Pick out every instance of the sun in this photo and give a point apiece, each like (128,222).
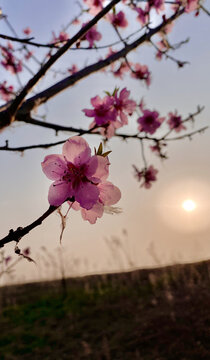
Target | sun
(189,205)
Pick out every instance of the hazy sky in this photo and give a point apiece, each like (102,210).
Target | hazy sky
(153,228)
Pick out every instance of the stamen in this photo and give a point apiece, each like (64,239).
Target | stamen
(61,183)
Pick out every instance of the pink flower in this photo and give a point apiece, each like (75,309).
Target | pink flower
(76,21)
(166,30)
(124,105)
(103,111)
(92,35)
(143,15)
(95,6)
(149,122)
(76,174)
(141,72)
(27,30)
(157,149)
(157,4)
(108,195)
(6,92)
(73,69)
(122,69)
(163,45)
(148,175)
(61,38)
(28,55)
(190,5)
(175,122)
(10,63)
(26,251)
(159,55)
(118,19)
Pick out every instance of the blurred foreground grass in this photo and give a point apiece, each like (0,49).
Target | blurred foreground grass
(155,314)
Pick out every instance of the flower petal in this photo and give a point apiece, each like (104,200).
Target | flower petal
(59,192)
(86,194)
(89,112)
(97,168)
(54,166)
(109,194)
(94,213)
(76,150)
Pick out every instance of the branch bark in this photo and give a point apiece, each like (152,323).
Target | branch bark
(20,232)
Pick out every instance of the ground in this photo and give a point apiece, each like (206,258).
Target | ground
(155,314)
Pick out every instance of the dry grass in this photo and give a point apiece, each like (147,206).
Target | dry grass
(157,314)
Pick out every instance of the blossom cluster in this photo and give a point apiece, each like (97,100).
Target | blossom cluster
(80,179)
(146,175)
(111,112)
(10,62)
(6,92)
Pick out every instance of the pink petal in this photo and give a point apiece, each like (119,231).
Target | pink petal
(59,192)
(89,112)
(124,94)
(86,194)
(98,168)
(76,150)
(75,205)
(109,194)
(96,101)
(94,213)
(54,166)
(123,118)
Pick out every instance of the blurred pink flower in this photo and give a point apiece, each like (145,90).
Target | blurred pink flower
(110,113)
(73,69)
(141,72)
(61,38)
(28,55)
(124,105)
(190,5)
(27,30)
(148,175)
(103,111)
(143,15)
(26,251)
(149,122)
(9,62)
(175,122)
(95,6)
(6,92)
(118,19)
(92,35)
(122,69)
(158,5)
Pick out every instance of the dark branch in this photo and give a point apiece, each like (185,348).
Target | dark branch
(15,105)
(20,232)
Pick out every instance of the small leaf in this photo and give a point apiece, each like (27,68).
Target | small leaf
(106,153)
(115,90)
(107,93)
(100,149)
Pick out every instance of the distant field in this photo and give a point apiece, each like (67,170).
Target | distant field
(157,314)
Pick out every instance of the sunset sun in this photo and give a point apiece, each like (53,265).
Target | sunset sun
(189,205)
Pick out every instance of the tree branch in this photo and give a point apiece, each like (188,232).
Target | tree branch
(69,81)
(15,105)
(20,232)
